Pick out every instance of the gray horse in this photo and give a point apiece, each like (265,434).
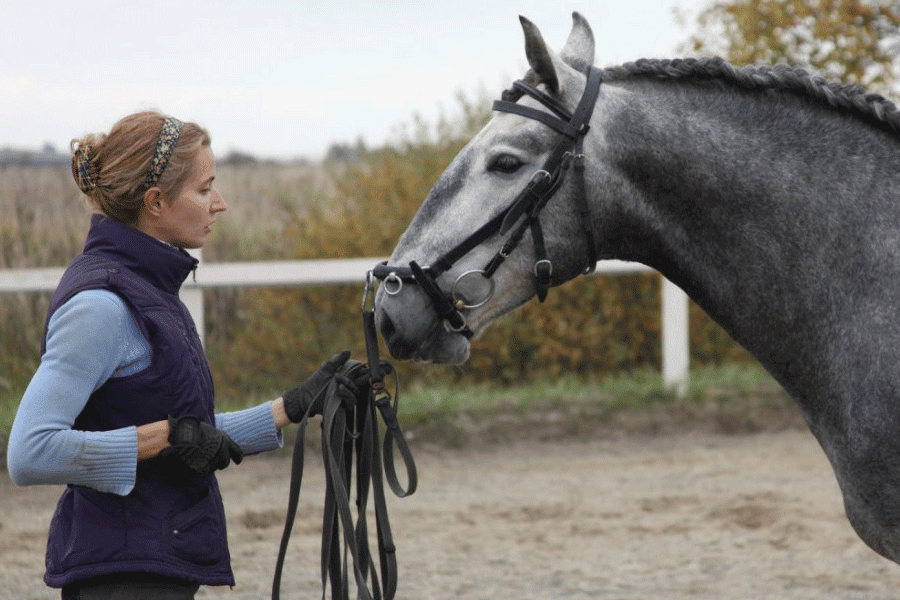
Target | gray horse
(771,197)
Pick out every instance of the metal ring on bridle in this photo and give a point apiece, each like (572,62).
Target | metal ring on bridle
(457,300)
(452,329)
(392,278)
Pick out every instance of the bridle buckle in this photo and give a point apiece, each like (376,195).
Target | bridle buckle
(543,270)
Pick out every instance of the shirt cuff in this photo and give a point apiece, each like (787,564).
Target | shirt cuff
(107,461)
(252,428)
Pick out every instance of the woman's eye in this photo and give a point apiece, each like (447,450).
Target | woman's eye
(505,163)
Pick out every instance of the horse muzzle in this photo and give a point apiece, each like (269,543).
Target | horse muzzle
(412,331)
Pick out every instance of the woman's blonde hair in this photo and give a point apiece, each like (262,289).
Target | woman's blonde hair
(112,169)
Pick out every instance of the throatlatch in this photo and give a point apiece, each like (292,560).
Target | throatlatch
(520,216)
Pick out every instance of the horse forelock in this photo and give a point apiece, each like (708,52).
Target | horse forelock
(870,107)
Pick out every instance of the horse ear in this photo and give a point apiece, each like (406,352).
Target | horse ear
(538,56)
(579,49)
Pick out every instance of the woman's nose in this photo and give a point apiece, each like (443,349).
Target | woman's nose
(218,204)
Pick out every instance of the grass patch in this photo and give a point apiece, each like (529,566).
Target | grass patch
(729,399)
(639,388)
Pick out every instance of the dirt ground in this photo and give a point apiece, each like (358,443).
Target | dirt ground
(662,505)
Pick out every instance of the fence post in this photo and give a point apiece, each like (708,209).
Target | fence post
(675,337)
(192,296)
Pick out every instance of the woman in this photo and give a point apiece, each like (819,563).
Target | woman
(121,406)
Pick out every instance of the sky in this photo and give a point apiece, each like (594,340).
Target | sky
(286,79)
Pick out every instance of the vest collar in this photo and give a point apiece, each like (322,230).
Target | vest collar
(165,266)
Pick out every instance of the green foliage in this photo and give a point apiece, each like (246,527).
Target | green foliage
(588,328)
(852,41)
(286,333)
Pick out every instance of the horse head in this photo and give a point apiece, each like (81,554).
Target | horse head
(460,264)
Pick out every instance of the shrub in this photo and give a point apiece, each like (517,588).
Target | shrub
(590,327)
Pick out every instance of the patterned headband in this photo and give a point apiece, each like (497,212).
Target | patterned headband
(165,145)
(84,170)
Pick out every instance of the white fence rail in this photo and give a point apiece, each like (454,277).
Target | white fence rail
(675,350)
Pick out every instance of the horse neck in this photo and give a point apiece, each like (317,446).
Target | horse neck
(777,217)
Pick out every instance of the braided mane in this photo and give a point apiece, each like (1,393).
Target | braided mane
(871,107)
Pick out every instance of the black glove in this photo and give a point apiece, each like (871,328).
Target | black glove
(309,396)
(197,448)
(358,374)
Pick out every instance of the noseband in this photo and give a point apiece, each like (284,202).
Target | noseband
(572,128)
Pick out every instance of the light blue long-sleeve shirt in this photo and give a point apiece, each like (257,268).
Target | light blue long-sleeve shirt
(91,338)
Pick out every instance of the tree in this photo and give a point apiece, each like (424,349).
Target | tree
(851,41)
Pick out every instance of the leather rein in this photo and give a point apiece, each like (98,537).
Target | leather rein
(568,152)
(350,443)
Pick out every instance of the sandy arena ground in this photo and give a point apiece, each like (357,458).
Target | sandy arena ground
(678,514)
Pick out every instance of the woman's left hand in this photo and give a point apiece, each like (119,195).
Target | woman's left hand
(197,448)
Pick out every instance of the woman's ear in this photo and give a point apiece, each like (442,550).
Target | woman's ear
(153,199)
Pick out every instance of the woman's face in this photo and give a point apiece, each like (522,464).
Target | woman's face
(188,219)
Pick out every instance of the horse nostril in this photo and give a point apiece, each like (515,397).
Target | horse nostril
(399,347)
(388,329)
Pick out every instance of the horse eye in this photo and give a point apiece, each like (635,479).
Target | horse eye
(505,163)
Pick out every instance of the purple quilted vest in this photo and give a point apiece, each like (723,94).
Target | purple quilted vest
(168,527)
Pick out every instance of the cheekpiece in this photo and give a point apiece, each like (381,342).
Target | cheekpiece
(165,145)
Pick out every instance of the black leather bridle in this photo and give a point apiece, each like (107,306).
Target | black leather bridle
(572,128)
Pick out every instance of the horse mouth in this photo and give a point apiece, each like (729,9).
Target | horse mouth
(437,346)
